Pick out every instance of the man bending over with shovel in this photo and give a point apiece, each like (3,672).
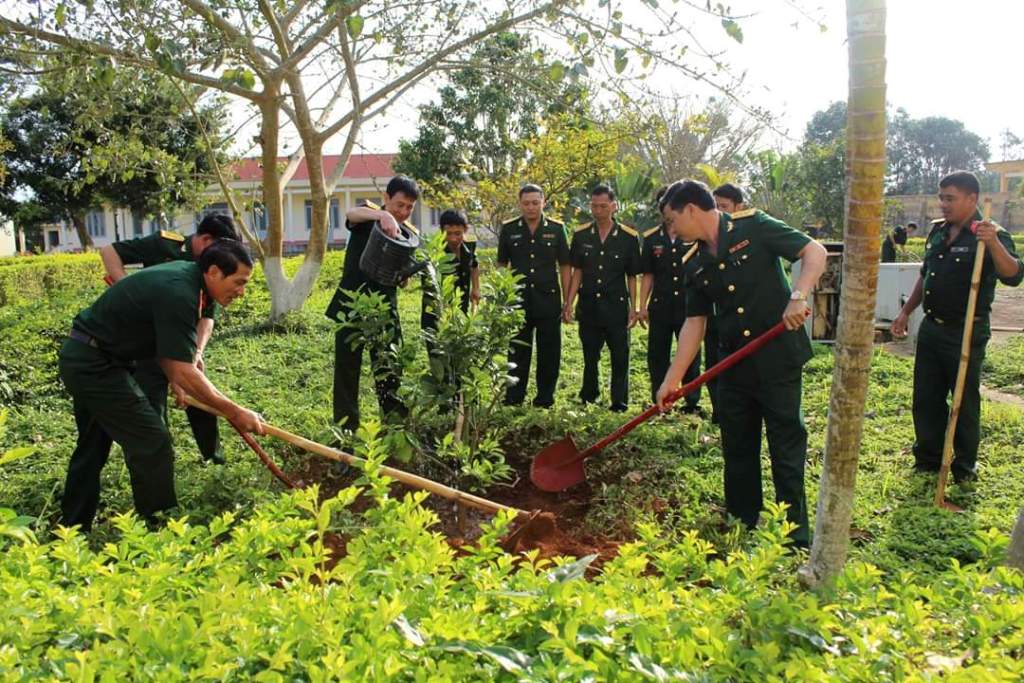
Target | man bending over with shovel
(943,288)
(737,277)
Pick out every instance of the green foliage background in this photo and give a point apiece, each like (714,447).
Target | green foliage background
(238,591)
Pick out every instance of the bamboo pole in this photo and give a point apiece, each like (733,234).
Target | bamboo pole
(961,375)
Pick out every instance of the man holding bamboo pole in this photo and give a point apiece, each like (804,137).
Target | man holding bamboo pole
(943,288)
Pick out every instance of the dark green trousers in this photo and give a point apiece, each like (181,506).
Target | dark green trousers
(153,382)
(660,335)
(548,332)
(110,406)
(936,362)
(744,403)
(712,355)
(593,338)
(348,365)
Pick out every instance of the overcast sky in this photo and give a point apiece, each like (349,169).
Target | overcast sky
(955,58)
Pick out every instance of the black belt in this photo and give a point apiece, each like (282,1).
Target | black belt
(80,336)
(954,322)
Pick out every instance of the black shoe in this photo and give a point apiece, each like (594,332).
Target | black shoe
(215,458)
(962,478)
(543,404)
(924,468)
(693,410)
(618,408)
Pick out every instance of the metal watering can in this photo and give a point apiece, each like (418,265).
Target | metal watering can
(390,260)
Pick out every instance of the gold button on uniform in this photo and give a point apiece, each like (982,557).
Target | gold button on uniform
(675,277)
(732,288)
(739,310)
(746,333)
(721,266)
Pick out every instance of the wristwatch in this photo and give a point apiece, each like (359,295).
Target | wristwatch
(797,295)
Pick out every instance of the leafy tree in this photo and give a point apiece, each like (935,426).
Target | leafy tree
(321,69)
(682,141)
(484,116)
(129,140)
(924,150)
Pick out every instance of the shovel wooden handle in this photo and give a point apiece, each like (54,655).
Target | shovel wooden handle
(713,372)
(398,475)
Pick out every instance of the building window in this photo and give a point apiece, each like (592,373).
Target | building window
(219,207)
(54,238)
(259,219)
(435,218)
(333,215)
(136,225)
(154,226)
(96,224)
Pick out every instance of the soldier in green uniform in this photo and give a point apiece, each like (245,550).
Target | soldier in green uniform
(536,247)
(152,314)
(896,238)
(663,305)
(738,278)
(161,247)
(400,198)
(942,288)
(605,257)
(460,248)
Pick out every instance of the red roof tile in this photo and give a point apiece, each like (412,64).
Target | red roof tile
(358,166)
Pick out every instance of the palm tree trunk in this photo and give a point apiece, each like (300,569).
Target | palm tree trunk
(865,153)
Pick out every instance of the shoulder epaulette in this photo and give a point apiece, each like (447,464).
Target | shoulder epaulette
(554,222)
(370,205)
(648,233)
(412,227)
(938,220)
(745,213)
(510,221)
(585,226)
(171,235)
(628,230)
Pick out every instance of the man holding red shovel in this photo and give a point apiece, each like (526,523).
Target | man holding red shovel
(737,277)
(943,288)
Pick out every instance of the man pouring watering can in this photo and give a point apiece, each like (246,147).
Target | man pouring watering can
(737,278)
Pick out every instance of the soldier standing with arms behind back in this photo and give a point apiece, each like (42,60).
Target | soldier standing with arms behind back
(537,248)
(605,258)
(161,247)
(738,279)
(663,303)
(942,288)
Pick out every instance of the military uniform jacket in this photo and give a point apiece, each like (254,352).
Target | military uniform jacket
(947,270)
(603,294)
(160,247)
(462,269)
(665,258)
(352,276)
(152,314)
(536,257)
(745,289)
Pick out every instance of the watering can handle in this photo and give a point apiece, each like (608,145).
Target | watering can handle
(710,374)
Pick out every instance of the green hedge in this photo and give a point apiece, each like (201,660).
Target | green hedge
(26,278)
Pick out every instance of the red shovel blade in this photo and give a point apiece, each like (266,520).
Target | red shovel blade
(558,466)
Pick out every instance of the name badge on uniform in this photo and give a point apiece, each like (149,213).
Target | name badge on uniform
(960,250)
(548,236)
(741,245)
(658,251)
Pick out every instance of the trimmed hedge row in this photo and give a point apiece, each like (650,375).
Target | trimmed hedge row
(25,278)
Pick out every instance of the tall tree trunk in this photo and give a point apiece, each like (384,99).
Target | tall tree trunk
(865,154)
(78,220)
(1015,553)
